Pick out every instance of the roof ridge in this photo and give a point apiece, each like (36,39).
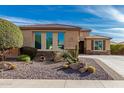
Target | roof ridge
(52,25)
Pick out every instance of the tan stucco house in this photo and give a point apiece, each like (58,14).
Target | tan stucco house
(55,37)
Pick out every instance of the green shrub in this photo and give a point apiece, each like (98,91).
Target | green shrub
(117,49)
(10,35)
(25,58)
(30,51)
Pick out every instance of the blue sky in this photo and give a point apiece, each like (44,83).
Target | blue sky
(102,20)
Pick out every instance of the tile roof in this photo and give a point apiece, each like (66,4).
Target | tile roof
(52,26)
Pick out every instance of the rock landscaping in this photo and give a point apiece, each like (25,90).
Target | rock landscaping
(52,70)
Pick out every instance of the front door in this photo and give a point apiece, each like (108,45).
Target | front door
(81,47)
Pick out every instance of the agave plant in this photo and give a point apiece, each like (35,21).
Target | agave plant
(69,58)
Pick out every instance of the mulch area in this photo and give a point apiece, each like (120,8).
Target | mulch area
(51,70)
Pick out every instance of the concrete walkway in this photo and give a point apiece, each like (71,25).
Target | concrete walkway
(15,83)
(114,62)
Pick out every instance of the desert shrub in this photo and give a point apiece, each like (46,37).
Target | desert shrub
(10,37)
(91,69)
(65,66)
(30,51)
(25,58)
(117,49)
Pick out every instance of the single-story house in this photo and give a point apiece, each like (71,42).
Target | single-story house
(55,37)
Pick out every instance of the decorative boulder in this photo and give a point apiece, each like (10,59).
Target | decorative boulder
(7,66)
(82,70)
(74,66)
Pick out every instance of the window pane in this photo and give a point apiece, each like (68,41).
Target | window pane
(38,40)
(49,40)
(61,40)
(98,45)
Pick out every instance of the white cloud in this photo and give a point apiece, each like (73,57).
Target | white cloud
(22,21)
(26,21)
(108,12)
(117,34)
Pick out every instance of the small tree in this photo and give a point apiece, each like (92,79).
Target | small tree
(10,37)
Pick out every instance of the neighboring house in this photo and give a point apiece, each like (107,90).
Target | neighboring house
(121,43)
(113,43)
(56,37)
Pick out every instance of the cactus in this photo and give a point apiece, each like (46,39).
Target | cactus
(76,52)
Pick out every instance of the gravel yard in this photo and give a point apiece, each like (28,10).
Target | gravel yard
(50,70)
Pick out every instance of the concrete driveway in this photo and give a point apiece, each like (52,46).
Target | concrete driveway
(114,62)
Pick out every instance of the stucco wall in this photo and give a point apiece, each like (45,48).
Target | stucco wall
(55,40)
(28,38)
(89,46)
(43,40)
(84,34)
(107,43)
(71,39)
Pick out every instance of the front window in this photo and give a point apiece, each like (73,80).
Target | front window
(61,40)
(98,45)
(49,40)
(37,40)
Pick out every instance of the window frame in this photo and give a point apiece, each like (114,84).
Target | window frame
(94,45)
(52,39)
(40,39)
(63,41)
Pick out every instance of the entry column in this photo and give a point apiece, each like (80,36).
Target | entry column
(55,40)
(43,41)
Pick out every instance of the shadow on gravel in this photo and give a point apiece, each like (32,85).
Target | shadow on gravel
(85,74)
(71,71)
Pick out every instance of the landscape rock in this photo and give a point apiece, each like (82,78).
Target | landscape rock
(82,70)
(7,66)
(74,66)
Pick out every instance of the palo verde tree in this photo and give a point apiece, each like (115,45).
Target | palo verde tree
(10,37)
